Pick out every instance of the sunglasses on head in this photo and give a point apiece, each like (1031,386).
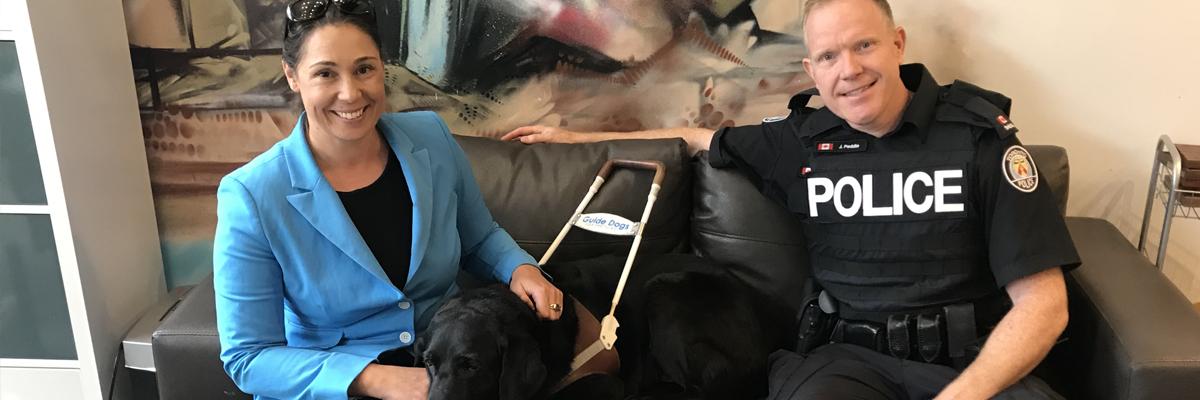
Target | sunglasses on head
(302,11)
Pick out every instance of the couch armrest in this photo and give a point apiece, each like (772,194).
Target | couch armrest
(1132,334)
(187,350)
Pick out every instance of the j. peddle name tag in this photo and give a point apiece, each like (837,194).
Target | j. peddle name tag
(849,146)
(608,224)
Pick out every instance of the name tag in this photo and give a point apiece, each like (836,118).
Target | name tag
(848,146)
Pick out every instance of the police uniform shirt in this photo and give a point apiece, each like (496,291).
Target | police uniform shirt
(947,208)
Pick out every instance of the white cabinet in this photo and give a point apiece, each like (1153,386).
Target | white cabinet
(18,383)
(79,248)
(6,18)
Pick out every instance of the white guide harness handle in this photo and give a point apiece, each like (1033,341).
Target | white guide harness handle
(609,324)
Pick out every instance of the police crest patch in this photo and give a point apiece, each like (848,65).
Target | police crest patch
(776,118)
(1019,169)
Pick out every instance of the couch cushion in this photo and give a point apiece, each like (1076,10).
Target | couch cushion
(532,190)
(735,224)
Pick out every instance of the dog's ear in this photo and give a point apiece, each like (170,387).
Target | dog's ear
(521,369)
(418,349)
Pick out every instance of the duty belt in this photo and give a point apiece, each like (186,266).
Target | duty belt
(948,335)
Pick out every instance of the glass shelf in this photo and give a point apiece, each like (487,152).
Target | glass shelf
(34,321)
(20,172)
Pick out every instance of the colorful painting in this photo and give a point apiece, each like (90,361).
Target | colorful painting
(213,96)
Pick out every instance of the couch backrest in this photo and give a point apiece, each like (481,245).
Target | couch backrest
(1054,170)
(716,213)
(735,224)
(533,190)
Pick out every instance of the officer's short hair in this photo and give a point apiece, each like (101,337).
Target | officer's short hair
(811,5)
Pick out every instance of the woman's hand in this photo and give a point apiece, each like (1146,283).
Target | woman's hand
(387,382)
(533,288)
(541,134)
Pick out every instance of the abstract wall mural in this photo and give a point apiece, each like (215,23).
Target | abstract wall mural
(212,95)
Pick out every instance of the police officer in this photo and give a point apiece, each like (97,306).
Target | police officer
(938,245)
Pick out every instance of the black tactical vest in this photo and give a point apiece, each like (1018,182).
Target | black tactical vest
(897,227)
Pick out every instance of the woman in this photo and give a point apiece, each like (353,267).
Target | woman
(340,242)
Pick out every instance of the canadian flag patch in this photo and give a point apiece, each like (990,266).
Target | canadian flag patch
(1006,124)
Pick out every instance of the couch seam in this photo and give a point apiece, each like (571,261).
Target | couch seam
(186,333)
(1160,363)
(613,241)
(746,238)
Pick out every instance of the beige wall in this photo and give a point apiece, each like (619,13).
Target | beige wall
(1102,78)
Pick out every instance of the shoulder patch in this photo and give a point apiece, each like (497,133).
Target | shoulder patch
(1019,169)
(776,118)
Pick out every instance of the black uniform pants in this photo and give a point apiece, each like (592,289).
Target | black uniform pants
(846,371)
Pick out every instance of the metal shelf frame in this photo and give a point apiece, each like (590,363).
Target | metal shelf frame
(1165,175)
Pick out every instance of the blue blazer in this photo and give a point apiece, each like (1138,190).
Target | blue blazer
(302,304)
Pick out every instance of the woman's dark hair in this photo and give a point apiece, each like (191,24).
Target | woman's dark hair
(298,32)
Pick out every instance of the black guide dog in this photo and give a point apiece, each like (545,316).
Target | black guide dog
(689,330)
(485,343)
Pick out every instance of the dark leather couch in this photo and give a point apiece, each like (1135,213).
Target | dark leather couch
(1132,334)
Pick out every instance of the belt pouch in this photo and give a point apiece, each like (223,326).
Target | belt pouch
(929,336)
(897,335)
(960,329)
(863,333)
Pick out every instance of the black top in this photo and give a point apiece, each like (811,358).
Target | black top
(946,208)
(383,214)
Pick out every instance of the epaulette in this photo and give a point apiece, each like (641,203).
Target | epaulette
(800,100)
(983,104)
(798,105)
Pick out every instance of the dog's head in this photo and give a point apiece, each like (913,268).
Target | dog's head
(480,345)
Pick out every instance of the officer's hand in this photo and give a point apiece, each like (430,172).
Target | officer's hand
(533,288)
(541,134)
